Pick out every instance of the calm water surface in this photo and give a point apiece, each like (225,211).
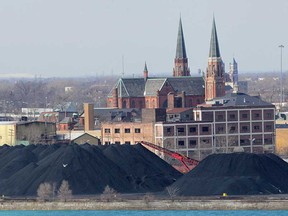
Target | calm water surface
(143,213)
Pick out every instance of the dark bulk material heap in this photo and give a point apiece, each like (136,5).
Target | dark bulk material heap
(88,169)
(235,174)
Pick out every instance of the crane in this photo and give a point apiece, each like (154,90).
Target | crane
(182,158)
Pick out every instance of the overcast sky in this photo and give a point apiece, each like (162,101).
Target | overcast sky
(51,38)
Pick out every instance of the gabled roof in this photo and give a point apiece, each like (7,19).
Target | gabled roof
(152,85)
(214,45)
(137,87)
(129,87)
(180,49)
(190,85)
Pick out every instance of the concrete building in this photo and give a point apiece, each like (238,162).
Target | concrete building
(193,139)
(240,120)
(179,115)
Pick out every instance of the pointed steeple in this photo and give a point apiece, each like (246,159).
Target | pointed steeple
(145,67)
(214,45)
(181,62)
(145,72)
(180,49)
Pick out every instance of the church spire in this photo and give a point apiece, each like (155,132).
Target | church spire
(215,80)
(145,72)
(180,49)
(214,45)
(181,61)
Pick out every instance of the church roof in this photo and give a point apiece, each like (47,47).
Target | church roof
(153,85)
(214,45)
(190,85)
(129,87)
(180,49)
(136,87)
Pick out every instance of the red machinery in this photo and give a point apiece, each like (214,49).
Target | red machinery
(186,161)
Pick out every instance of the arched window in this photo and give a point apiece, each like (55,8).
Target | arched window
(124,104)
(132,104)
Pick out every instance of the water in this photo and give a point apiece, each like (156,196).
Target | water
(143,213)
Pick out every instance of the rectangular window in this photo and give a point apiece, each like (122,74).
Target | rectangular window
(244,115)
(127,142)
(168,130)
(107,130)
(192,129)
(180,130)
(137,130)
(220,117)
(181,143)
(117,143)
(220,129)
(233,128)
(268,127)
(257,115)
(245,128)
(107,143)
(232,116)
(192,143)
(205,129)
(117,130)
(256,127)
(127,130)
(269,115)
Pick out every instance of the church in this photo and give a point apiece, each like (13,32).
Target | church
(178,91)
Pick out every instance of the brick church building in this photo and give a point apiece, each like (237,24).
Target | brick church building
(179,91)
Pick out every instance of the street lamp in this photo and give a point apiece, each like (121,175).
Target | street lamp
(281,77)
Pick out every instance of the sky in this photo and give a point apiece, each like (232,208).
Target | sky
(75,38)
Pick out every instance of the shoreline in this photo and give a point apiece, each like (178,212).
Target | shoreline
(191,204)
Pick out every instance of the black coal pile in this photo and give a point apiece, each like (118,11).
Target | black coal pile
(88,169)
(144,169)
(235,174)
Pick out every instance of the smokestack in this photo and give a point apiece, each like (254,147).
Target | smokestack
(89,121)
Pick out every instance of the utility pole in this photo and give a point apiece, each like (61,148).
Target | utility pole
(281,78)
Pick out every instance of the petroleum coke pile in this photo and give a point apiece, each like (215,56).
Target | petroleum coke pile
(88,169)
(235,174)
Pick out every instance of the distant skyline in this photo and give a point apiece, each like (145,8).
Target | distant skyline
(62,38)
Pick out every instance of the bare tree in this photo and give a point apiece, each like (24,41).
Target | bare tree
(172,191)
(64,191)
(148,197)
(109,194)
(45,191)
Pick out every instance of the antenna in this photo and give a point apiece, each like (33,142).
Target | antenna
(122,65)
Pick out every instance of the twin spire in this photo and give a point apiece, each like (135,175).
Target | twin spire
(181,61)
